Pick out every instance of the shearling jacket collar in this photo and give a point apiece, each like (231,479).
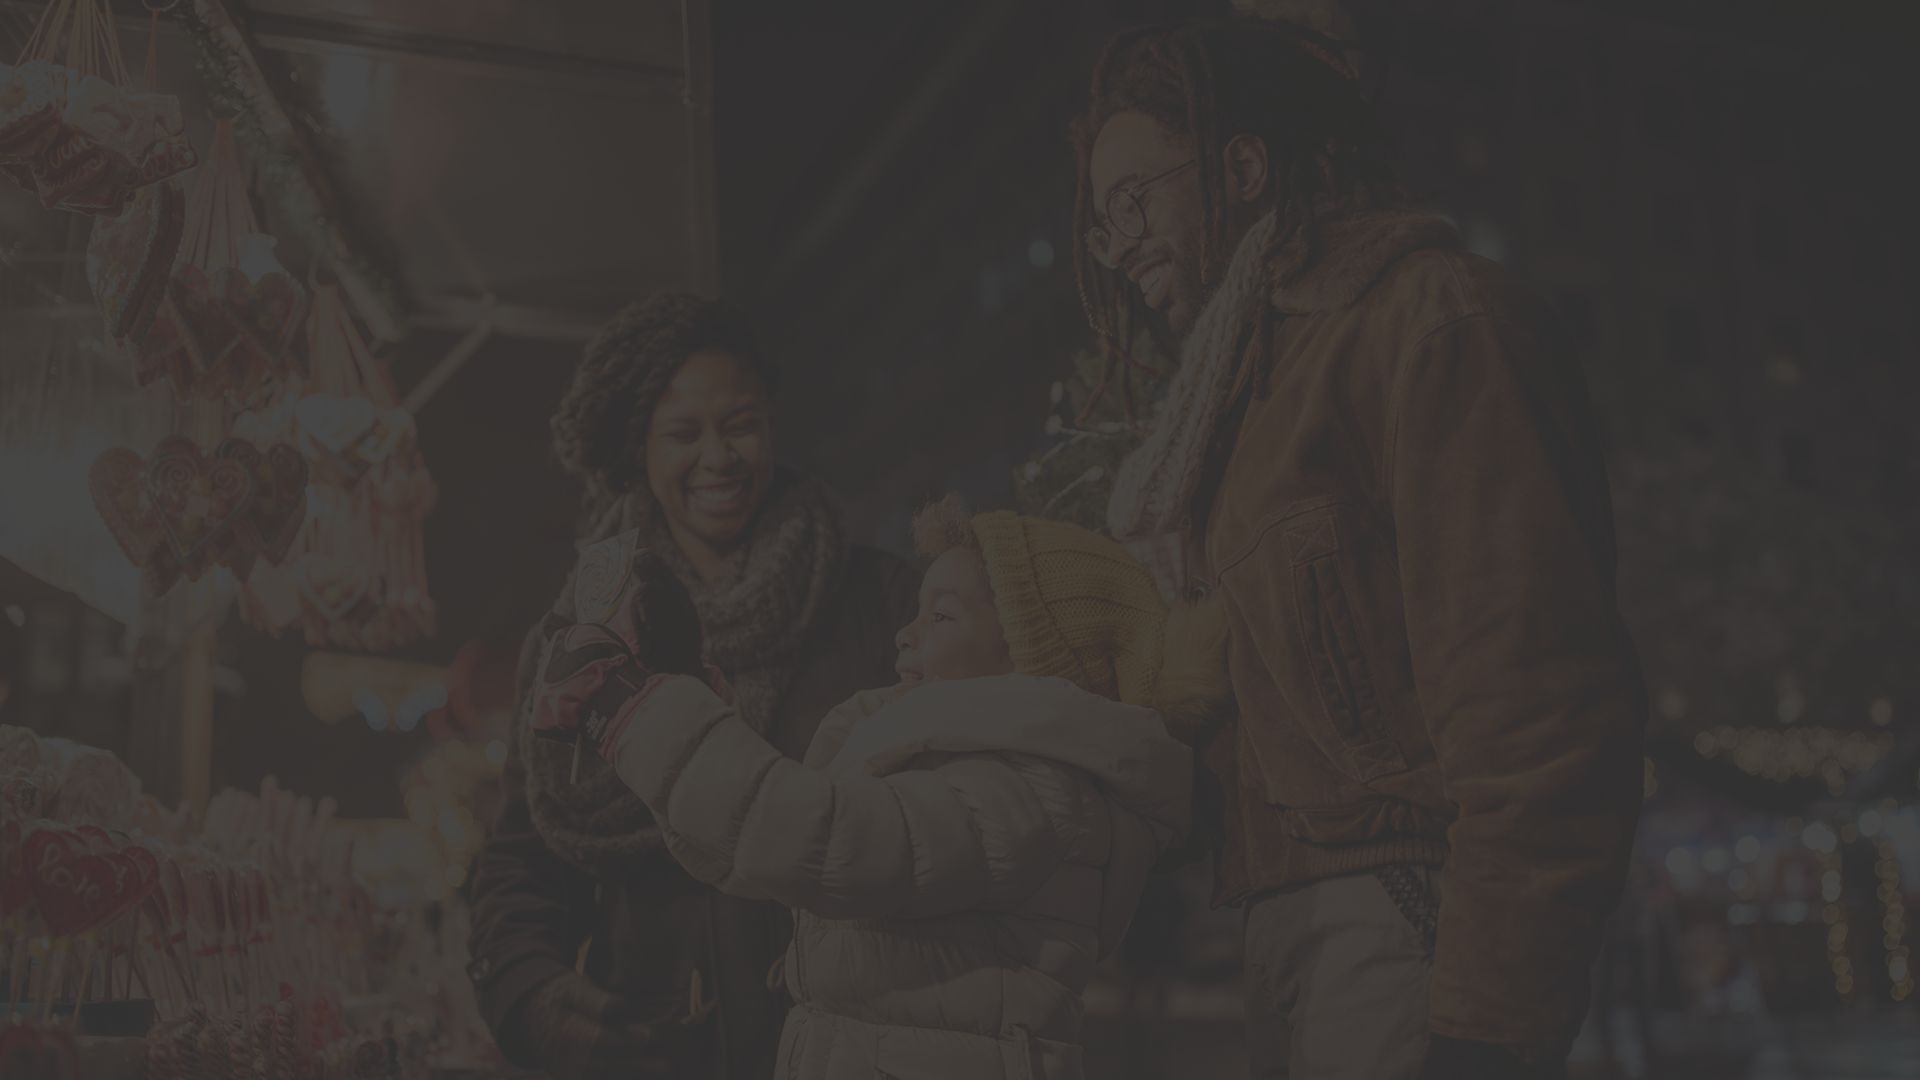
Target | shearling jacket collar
(1348,254)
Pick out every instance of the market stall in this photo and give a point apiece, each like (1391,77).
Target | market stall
(246,246)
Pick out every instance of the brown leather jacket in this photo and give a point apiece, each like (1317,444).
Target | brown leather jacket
(1412,530)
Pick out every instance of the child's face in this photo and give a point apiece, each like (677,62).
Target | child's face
(957,634)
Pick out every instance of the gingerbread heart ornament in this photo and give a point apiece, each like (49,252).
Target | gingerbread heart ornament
(198,499)
(279,506)
(117,482)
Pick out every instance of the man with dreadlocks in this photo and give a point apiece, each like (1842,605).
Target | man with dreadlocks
(1373,455)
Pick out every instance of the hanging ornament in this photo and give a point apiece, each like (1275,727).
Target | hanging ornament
(129,259)
(269,598)
(222,324)
(71,128)
(361,578)
(182,510)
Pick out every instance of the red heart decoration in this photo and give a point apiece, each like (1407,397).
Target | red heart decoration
(117,482)
(78,891)
(198,500)
(98,842)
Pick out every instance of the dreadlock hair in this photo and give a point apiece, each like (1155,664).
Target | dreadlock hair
(600,427)
(1214,80)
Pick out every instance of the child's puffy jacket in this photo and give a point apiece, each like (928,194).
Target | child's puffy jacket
(958,855)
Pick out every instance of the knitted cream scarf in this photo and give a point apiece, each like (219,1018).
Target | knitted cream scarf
(755,621)
(1157,482)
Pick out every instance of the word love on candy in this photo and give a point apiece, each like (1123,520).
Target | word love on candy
(78,888)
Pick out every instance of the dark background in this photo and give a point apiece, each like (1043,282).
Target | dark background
(1715,195)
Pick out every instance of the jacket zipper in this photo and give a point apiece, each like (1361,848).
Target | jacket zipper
(797,945)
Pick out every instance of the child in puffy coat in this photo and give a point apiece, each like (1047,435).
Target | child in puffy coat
(959,849)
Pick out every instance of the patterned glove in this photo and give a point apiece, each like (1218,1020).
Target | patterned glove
(590,685)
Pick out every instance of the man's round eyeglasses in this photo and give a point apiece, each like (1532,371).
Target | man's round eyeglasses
(1126,214)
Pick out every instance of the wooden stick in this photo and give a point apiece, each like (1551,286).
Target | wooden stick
(86,979)
(56,977)
(16,944)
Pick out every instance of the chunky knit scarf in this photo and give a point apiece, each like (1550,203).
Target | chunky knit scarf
(755,620)
(1158,480)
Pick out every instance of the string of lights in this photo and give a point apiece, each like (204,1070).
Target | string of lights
(1893,921)
(1834,914)
(1796,752)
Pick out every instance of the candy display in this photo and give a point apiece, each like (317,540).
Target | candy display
(71,128)
(249,945)
(222,324)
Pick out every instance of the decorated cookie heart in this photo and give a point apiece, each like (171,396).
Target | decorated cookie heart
(279,506)
(117,482)
(198,499)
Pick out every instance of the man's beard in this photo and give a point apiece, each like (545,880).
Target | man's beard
(1169,339)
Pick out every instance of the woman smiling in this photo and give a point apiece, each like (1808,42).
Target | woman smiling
(669,423)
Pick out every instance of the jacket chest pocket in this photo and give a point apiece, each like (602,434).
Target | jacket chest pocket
(1296,581)
(1333,643)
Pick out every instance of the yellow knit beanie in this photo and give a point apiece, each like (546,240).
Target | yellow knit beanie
(1074,604)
